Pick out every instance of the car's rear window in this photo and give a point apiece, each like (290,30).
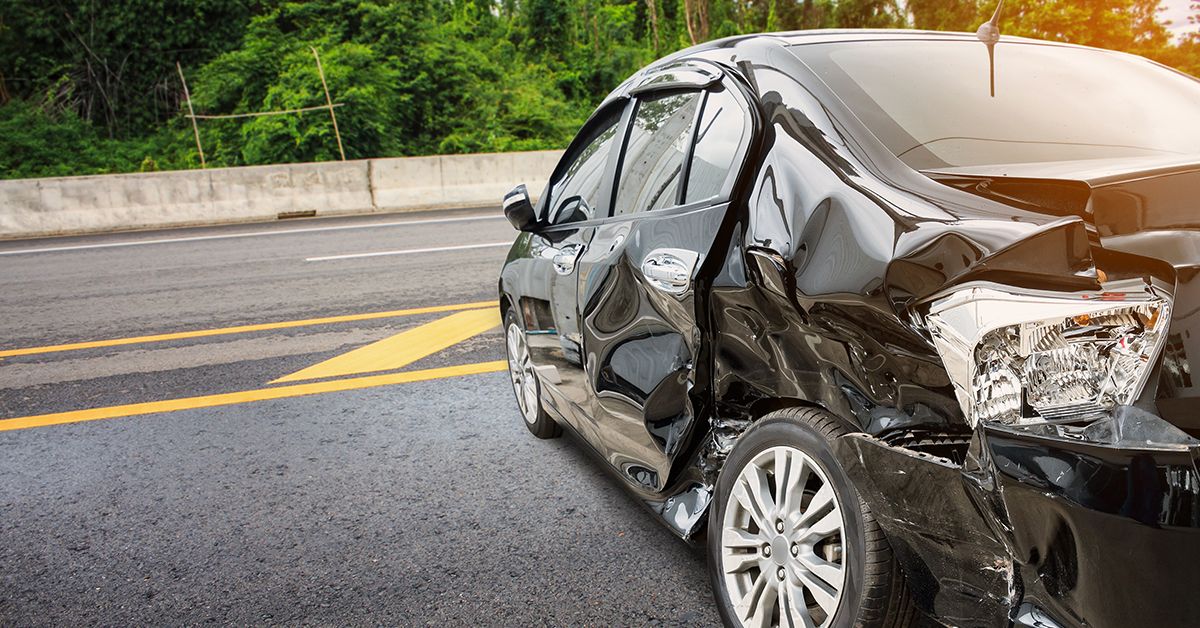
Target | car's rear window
(929,101)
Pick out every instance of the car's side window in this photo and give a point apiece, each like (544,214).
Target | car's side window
(659,136)
(576,194)
(724,128)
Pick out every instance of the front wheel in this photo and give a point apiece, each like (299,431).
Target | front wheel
(790,543)
(525,382)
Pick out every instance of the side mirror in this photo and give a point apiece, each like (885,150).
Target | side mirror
(519,210)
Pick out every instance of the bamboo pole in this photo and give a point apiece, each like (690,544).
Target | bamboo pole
(256,114)
(192,114)
(329,102)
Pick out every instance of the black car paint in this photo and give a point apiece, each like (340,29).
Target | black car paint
(811,293)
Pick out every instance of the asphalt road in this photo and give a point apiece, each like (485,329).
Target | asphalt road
(404,492)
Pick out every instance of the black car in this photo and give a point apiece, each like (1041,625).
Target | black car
(898,322)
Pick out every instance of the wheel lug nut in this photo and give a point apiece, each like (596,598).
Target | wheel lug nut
(781,573)
(779,526)
(795,550)
(766,550)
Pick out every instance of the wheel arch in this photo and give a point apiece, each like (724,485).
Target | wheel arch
(767,405)
(505,302)
(727,432)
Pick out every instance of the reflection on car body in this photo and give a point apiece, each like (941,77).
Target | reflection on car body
(900,345)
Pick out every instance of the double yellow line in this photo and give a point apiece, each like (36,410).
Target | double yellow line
(242,329)
(263,394)
(388,354)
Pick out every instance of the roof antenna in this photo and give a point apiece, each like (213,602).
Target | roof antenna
(989,34)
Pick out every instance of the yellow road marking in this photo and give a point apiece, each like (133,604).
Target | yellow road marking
(241,329)
(402,349)
(264,394)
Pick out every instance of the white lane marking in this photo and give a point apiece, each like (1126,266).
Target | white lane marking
(250,234)
(408,251)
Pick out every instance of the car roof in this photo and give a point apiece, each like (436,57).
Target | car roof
(787,39)
(831,35)
(849,35)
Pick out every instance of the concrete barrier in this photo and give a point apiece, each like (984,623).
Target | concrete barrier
(457,180)
(73,205)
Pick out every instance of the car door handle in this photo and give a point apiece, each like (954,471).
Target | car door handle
(672,275)
(670,270)
(563,259)
(564,262)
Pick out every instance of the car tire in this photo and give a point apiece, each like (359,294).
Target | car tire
(872,592)
(526,387)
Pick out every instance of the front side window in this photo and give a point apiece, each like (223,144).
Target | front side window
(930,103)
(652,170)
(576,194)
(722,132)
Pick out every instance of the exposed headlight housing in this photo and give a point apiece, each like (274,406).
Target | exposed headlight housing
(1025,356)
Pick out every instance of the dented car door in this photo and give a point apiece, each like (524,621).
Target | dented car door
(638,279)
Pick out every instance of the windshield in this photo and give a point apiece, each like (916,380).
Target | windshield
(929,102)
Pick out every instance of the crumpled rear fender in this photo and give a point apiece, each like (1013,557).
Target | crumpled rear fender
(942,526)
(1088,534)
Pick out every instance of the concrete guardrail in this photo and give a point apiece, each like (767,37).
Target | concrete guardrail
(91,204)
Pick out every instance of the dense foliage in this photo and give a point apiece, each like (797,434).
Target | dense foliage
(90,86)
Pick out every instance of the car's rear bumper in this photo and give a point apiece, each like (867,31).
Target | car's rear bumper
(1102,535)
(1071,532)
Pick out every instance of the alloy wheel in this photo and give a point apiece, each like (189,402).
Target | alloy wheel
(520,369)
(782,545)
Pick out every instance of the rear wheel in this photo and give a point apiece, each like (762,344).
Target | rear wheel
(790,543)
(524,380)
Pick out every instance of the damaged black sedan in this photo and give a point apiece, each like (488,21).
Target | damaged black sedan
(898,322)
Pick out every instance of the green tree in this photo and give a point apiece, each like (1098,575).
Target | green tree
(939,15)
(89,86)
(357,77)
(549,23)
(1130,25)
(113,62)
(868,14)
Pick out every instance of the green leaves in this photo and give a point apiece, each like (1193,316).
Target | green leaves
(358,78)
(93,86)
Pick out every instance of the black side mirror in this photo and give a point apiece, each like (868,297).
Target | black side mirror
(519,210)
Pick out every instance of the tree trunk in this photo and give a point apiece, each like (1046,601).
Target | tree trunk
(688,8)
(695,16)
(652,13)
